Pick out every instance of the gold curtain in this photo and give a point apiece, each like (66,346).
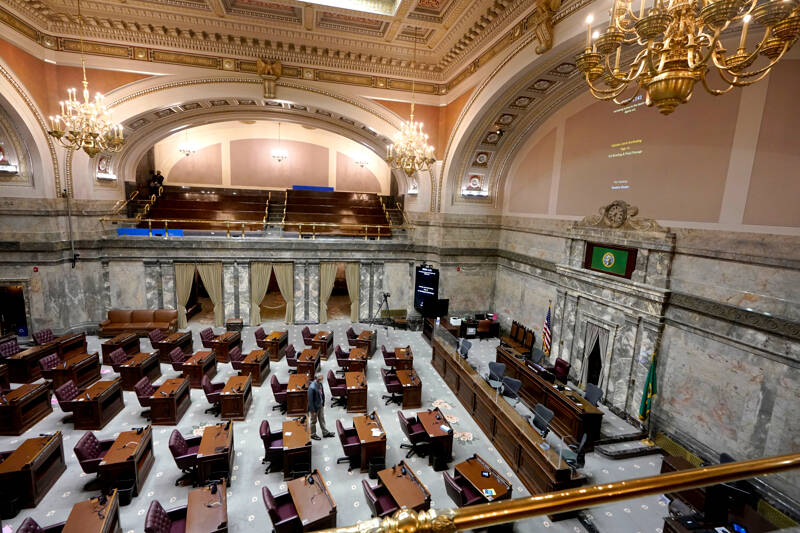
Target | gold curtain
(284,273)
(352,275)
(211,274)
(184,276)
(259,283)
(327,275)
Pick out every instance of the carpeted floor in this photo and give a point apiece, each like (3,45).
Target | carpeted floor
(246,511)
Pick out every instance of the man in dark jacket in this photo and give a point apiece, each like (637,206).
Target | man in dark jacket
(316,407)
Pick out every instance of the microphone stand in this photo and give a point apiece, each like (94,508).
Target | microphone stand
(384,301)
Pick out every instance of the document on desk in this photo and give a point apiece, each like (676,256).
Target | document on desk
(376,432)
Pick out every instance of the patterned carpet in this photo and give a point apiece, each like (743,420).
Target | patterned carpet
(246,511)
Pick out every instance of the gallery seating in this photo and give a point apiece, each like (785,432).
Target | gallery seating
(160,521)
(281,511)
(209,211)
(90,451)
(379,500)
(338,388)
(139,321)
(273,447)
(29,525)
(351,445)
(460,490)
(415,433)
(212,392)
(65,394)
(184,452)
(279,393)
(346,208)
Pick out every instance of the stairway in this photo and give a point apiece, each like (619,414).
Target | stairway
(276,207)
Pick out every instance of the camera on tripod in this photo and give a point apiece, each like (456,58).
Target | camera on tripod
(386,295)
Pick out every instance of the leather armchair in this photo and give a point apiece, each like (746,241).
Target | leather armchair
(388,357)
(307,336)
(393,387)
(144,391)
(350,444)
(29,525)
(43,337)
(118,357)
(207,336)
(281,511)
(7,349)
(211,391)
(291,358)
(279,392)
(47,364)
(460,490)
(273,447)
(156,336)
(561,370)
(91,451)
(338,388)
(178,357)
(416,434)
(351,336)
(160,521)
(342,359)
(379,500)
(65,395)
(184,452)
(261,335)
(237,357)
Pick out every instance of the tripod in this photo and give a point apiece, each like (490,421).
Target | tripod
(384,301)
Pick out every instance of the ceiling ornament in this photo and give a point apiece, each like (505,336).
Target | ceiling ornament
(677,43)
(269,70)
(619,215)
(542,21)
(85,125)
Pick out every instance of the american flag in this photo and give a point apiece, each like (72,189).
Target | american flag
(546,332)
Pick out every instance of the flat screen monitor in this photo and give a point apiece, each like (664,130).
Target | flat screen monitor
(426,289)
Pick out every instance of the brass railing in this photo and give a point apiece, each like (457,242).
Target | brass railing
(150,202)
(117,209)
(488,514)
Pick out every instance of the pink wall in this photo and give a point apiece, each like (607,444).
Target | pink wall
(203,166)
(531,184)
(252,164)
(352,178)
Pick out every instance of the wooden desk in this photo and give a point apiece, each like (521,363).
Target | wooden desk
(405,359)
(356,392)
(199,364)
(5,384)
(207,512)
(368,340)
(275,344)
(222,344)
(256,365)
(406,489)
(139,366)
(170,402)
(129,342)
(23,407)
(371,445)
(236,397)
(23,367)
(29,472)
(296,445)
(314,504)
(441,439)
(538,468)
(358,360)
(234,324)
(297,394)
(90,516)
(695,498)
(82,369)
(471,470)
(98,404)
(323,341)
(128,460)
(71,344)
(215,454)
(412,388)
(746,517)
(574,416)
(308,361)
(179,339)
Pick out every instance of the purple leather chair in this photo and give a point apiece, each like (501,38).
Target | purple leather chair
(338,388)
(211,391)
(279,392)
(281,511)
(561,370)
(461,491)
(237,357)
(206,336)
(156,336)
(260,336)
(177,356)
(7,349)
(43,337)
(291,358)
(416,434)
(29,525)
(342,359)
(160,521)
(118,357)
(273,447)
(388,357)
(379,500)
(91,451)
(307,335)
(144,391)
(47,364)
(65,395)
(351,445)
(393,387)
(184,451)
(351,336)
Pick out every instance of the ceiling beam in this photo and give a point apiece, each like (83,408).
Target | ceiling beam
(398,19)
(308,17)
(217,7)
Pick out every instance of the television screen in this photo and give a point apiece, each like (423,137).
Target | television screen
(426,288)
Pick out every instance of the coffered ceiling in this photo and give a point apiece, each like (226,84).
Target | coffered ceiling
(374,36)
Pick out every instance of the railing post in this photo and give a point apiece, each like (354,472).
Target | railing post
(166,229)
(228,230)
(300,231)
(242,230)
(313,232)
(149,228)
(366,232)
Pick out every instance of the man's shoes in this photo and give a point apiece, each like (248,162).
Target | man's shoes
(315,437)
(327,434)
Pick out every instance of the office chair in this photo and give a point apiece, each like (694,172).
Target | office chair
(291,359)
(178,357)
(496,371)
(207,337)
(273,447)
(65,394)
(463,350)
(561,370)
(29,525)
(460,490)
(90,451)
(307,336)
(279,393)
(47,364)
(541,419)
(537,356)
(342,359)
(260,335)
(416,435)
(212,392)
(351,445)
(43,337)
(281,511)
(184,452)
(388,357)
(351,336)
(236,357)
(144,391)
(575,457)
(393,387)
(380,501)
(338,388)
(511,388)
(160,521)
(593,394)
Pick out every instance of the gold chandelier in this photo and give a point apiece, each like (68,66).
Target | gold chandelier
(85,125)
(410,151)
(679,43)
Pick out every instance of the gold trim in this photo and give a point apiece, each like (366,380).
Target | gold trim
(100,49)
(175,58)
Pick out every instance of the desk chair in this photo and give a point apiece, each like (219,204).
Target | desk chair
(29,525)
(65,395)
(541,419)
(388,357)
(281,511)
(237,357)
(47,364)
(91,451)
(351,336)
(7,349)
(350,444)
(118,357)
(207,337)
(338,388)
(484,329)
(379,499)
(393,387)
(561,370)
(537,356)
(43,337)
(160,521)
(463,350)
(575,456)
(155,337)
(178,357)
(416,434)
(279,393)
(144,391)
(307,335)
(496,371)
(593,394)
(260,335)
(291,358)
(511,388)
(342,359)
(273,447)
(212,392)
(184,452)
(460,490)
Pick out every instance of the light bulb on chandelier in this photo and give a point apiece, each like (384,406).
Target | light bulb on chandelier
(279,154)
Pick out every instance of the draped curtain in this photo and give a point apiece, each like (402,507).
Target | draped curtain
(593,332)
(327,275)
(352,275)
(284,274)
(184,276)
(211,274)
(259,283)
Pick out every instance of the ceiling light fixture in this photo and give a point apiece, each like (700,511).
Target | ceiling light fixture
(279,154)
(187,148)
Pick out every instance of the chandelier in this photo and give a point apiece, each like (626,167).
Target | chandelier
(678,42)
(279,154)
(187,148)
(85,125)
(410,151)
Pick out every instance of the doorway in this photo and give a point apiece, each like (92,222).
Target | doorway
(594,365)
(273,305)
(13,319)
(199,308)
(339,302)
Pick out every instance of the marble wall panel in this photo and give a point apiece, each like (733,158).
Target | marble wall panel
(300,292)
(168,285)
(312,291)
(243,273)
(469,289)
(364,285)
(378,275)
(399,283)
(229,289)
(127,285)
(153,295)
(522,297)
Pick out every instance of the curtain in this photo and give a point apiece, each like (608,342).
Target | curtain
(352,275)
(327,275)
(592,334)
(211,274)
(284,273)
(184,276)
(603,342)
(259,283)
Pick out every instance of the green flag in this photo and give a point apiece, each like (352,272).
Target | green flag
(650,390)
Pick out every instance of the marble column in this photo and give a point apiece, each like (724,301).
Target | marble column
(152,285)
(168,285)
(312,291)
(364,290)
(568,330)
(619,383)
(377,287)
(557,324)
(229,289)
(106,286)
(649,335)
(300,292)
(243,272)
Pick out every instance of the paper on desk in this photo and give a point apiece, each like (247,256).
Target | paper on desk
(376,432)
(288,434)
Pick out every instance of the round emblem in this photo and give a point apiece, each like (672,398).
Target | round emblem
(616,214)
(482,159)
(492,138)
(475,183)
(608,259)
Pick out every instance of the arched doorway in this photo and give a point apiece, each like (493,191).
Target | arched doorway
(339,302)
(594,366)
(273,305)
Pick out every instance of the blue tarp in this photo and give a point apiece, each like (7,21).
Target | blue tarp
(311,188)
(145,232)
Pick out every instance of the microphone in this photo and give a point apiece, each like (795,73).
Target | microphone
(213,488)
(310,479)
(228,425)
(102,499)
(403,470)
(139,430)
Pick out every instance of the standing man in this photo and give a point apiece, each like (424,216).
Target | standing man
(316,407)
